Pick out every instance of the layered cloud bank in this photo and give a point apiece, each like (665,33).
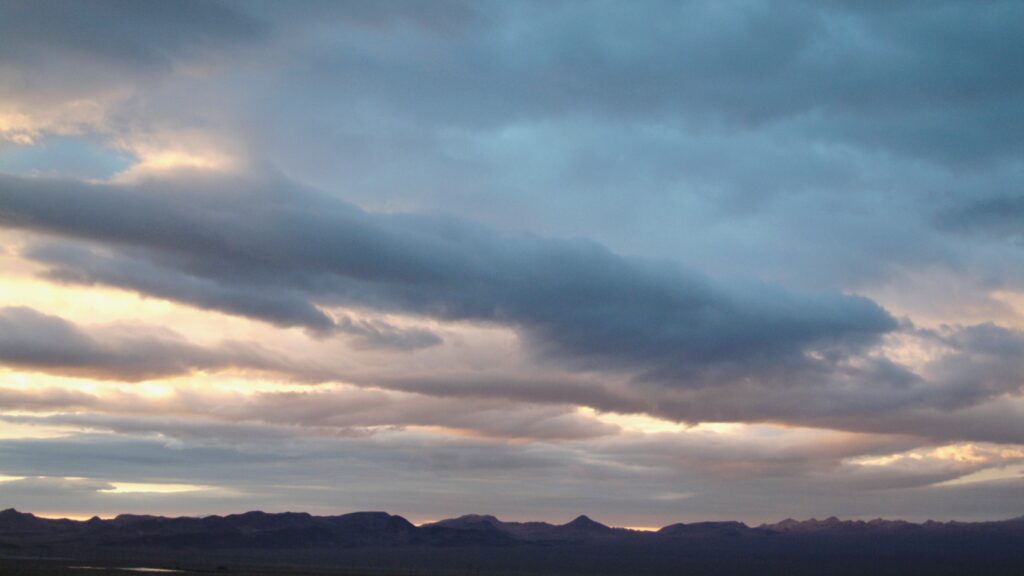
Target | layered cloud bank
(680,261)
(281,254)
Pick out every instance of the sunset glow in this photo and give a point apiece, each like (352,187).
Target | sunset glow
(659,264)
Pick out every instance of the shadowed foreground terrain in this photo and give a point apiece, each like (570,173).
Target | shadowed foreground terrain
(258,543)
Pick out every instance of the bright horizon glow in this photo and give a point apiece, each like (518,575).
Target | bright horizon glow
(152,488)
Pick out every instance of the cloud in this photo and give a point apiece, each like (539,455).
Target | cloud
(36,341)
(376,333)
(660,130)
(633,335)
(960,393)
(762,192)
(74,69)
(987,361)
(766,477)
(239,417)
(254,421)
(277,252)
(742,64)
(1000,216)
(45,399)
(145,34)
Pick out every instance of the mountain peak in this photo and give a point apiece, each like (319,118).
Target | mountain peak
(583,522)
(706,528)
(471,521)
(478,518)
(11,514)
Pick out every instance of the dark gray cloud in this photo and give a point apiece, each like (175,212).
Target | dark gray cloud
(808,143)
(736,138)
(376,333)
(749,65)
(952,398)
(274,251)
(971,391)
(934,80)
(987,362)
(1000,216)
(519,386)
(141,35)
(681,345)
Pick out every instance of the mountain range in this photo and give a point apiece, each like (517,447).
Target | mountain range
(379,543)
(301,530)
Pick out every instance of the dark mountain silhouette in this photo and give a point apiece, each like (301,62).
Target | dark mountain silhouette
(586,525)
(483,543)
(580,528)
(731,528)
(252,529)
(291,529)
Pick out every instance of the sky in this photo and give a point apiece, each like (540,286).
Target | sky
(647,261)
